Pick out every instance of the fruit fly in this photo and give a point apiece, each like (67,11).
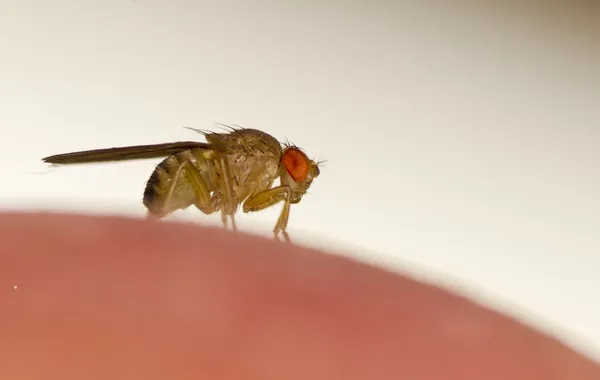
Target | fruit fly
(228,170)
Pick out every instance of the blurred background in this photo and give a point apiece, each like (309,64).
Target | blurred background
(461,138)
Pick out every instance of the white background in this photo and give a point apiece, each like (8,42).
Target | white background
(462,141)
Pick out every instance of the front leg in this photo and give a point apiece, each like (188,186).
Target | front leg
(266,198)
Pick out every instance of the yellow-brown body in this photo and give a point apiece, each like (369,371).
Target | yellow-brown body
(230,169)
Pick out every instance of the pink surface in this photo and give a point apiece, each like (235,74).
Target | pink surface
(111,298)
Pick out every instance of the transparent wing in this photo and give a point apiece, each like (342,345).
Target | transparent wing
(136,152)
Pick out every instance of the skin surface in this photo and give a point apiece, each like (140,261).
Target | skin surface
(112,298)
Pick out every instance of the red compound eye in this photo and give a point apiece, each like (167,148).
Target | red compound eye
(296,164)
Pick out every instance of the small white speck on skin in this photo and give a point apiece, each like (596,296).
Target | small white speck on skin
(15,287)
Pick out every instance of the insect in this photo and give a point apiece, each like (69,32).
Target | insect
(230,169)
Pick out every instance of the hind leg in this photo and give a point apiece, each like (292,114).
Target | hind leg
(174,199)
(204,201)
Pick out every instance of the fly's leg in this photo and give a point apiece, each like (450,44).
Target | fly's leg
(267,198)
(224,218)
(151,216)
(233,225)
(195,179)
(229,207)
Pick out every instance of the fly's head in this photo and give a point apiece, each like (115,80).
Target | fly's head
(297,172)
